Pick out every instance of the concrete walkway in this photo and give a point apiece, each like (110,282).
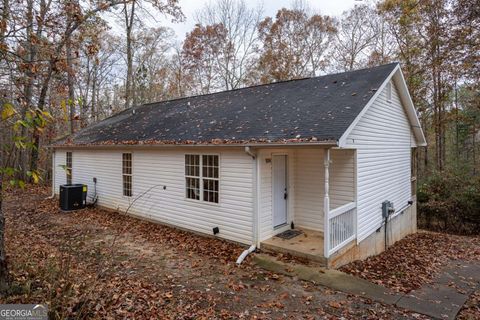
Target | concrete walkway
(442,299)
(448,292)
(330,278)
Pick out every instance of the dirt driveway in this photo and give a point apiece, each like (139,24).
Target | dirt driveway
(98,264)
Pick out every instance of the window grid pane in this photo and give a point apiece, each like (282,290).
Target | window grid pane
(210,166)
(127,174)
(210,190)
(68,167)
(127,186)
(193,188)
(192,165)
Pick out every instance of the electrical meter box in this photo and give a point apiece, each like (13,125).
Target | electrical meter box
(387,209)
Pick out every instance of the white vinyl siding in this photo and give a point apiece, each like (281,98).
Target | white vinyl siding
(266,200)
(309,191)
(164,172)
(306,186)
(389,91)
(382,138)
(60,176)
(342,177)
(106,166)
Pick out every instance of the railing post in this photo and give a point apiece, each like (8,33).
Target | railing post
(326,205)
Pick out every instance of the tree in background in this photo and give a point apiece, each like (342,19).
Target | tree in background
(33,40)
(94,57)
(358,32)
(33,120)
(402,18)
(200,54)
(294,45)
(131,20)
(152,67)
(384,49)
(432,43)
(235,55)
(466,36)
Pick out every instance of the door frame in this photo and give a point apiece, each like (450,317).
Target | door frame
(286,226)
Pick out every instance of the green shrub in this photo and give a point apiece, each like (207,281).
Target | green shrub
(449,202)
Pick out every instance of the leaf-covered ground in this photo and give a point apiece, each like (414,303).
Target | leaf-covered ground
(98,264)
(416,260)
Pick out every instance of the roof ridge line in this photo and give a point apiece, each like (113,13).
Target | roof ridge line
(256,86)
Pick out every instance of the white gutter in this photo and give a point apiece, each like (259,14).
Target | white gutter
(250,153)
(327,143)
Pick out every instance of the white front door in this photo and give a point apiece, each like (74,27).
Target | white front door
(279,163)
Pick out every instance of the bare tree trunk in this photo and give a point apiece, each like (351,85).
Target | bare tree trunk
(70,82)
(84,102)
(31,57)
(28,86)
(425,149)
(40,106)
(457,148)
(94,93)
(129,17)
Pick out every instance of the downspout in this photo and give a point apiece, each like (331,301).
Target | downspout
(248,151)
(255,207)
(53,176)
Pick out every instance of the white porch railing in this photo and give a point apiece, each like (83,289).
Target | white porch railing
(341,225)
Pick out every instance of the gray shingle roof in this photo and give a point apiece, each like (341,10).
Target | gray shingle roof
(311,109)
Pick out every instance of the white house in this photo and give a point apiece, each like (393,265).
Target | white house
(319,155)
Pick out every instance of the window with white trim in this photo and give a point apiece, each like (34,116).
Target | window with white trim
(202,177)
(68,167)
(127,174)
(389,92)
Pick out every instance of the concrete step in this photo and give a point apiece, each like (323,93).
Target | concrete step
(273,248)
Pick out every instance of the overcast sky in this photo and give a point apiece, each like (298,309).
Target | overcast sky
(270,7)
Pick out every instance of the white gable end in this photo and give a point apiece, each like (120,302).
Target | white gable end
(383,139)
